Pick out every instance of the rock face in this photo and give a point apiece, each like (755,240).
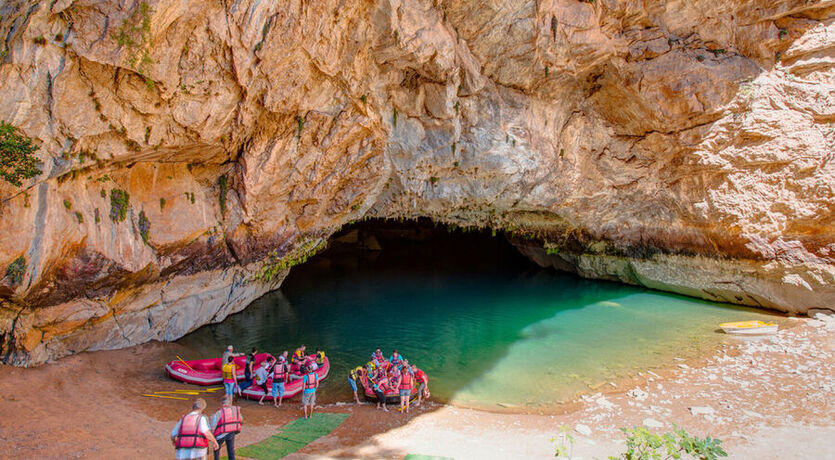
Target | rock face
(192,152)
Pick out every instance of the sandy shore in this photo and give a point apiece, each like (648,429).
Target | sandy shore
(766,398)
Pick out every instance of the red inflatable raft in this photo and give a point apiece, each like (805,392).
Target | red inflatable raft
(291,388)
(392,394)
(207,371)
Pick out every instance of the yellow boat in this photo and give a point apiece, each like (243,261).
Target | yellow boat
(749,328)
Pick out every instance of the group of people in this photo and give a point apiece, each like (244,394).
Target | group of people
(394,373)
(280,371)
(194,433)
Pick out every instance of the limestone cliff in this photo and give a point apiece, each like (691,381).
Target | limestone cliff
(192,152)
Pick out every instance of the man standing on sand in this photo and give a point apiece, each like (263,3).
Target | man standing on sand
(281,371)
(353,379)
(230,376)
(226,423)
(191,435)
(310,383)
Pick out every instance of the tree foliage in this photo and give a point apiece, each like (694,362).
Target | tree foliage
(17,159)
(642,444)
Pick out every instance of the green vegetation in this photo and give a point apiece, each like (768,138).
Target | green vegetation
(59,37)
(79,217)
(161,204)
(546,71)
(562,152)
(394,118)
(782,33)
(642,444)
(364,98)
(275,265)
(554,24)
(135,35)
(39,40)
(119,200)
(147,133)
(17,159)
(700,58)
(294,436)
(564,441)
(16,269)
(221,196)
(719,51)
(103,193)
(300,123)
(434,180)
(67,204)
(144,226)
(96,215)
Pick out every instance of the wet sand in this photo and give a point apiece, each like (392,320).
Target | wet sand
(766,398)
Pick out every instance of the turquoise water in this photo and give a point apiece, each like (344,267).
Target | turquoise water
(490,329)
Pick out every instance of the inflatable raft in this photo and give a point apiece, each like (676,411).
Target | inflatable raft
(291,388)
(392,394)
(207,371)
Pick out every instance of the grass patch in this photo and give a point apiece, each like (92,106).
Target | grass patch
(293,436)
(16,269)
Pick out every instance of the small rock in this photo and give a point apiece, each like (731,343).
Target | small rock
(701,410)
(684,366)
(583,429)
(652,423)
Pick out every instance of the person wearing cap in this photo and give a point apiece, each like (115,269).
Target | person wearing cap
(192,436)
(230,351)
(261,377)
(281,373)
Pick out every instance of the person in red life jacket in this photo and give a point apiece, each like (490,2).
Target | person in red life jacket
(423,385)
(192,435)
(226,423)
(310,383)
(405,387)
(281,373)
(379,386)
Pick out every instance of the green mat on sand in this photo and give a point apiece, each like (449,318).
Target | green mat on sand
(425,457)
(293,436)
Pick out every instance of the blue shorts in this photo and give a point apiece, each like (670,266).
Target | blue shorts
(405,393)
(278,389)
(230,387)
(353,384)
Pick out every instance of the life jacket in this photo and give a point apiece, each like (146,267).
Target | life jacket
(354,374)
(280,373)
(396,359)
(406,381)
(420,376)
(311,381)
(230,420)
(189,435)
(229,372)
(298,354)
(320,358)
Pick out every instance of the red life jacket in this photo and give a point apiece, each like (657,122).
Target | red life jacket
(406,381)
(230,420)
(189,435)
(420,376)
(311,382)
(280,372)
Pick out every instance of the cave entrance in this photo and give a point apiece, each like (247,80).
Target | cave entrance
(492,329)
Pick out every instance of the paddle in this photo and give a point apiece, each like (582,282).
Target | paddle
(181,360)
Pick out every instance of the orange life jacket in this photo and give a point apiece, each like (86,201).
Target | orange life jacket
(230,420)
(189,435)
(406,381)
(312,380)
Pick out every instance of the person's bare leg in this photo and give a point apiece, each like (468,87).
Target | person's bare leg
(261,401)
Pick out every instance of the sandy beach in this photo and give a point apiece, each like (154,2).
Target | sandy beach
(770,397)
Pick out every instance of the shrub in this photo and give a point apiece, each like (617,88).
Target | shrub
(96,215)
(275,265)
(300,123)
(394,118)
(643,444)
(144,226)
(39,40)
(79,217)
(16,270)
(119,200)
(135,35)
(564,440)
(67,204)
(161,204)
(17,160)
